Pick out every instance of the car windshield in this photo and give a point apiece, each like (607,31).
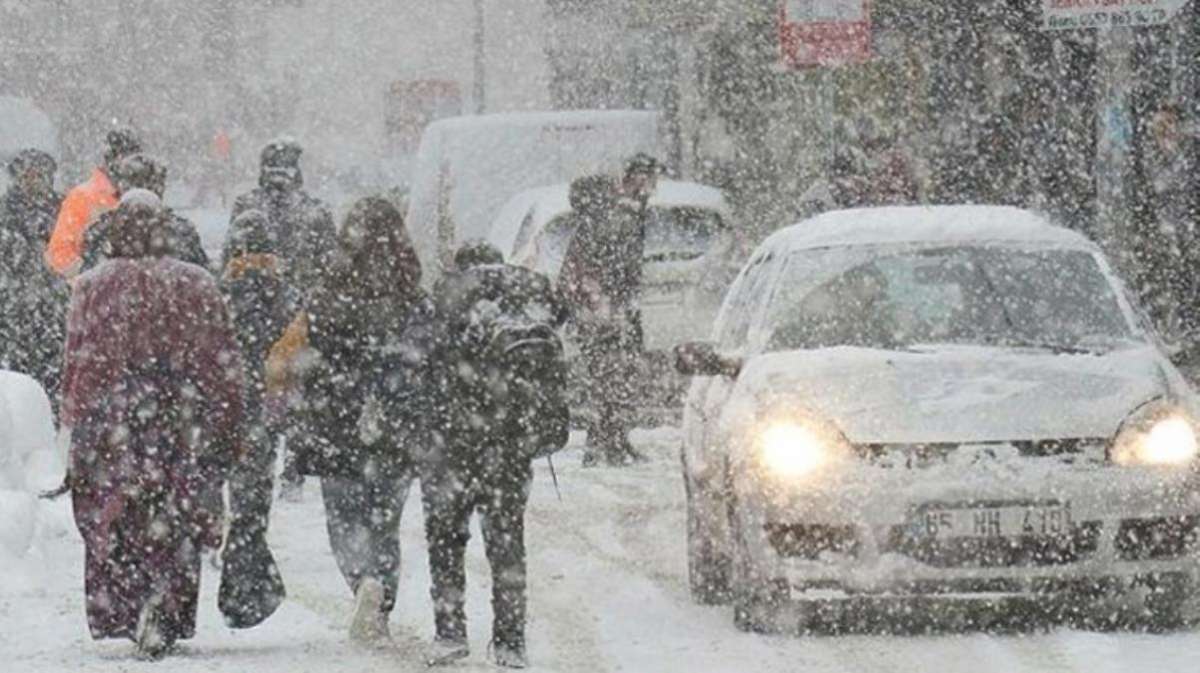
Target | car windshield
(1052,299)
(680,233)
(673,233)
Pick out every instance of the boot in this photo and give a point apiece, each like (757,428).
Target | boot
(369,625)
(509,656)
(153,642)
(445,652)
(291,490)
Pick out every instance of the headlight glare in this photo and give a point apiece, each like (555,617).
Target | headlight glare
(1163,439)
(791,450)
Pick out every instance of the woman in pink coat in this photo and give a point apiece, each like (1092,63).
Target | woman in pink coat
(152,389)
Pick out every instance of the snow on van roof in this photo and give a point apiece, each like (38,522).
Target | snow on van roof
(508,120)
(920,224)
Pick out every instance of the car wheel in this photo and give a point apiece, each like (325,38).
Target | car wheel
(708,562)
(757,600)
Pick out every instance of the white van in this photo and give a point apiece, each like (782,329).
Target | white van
(467,168)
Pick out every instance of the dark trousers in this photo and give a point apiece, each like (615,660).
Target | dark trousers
(363,518)
(251,482)
(500,502)
(611,365)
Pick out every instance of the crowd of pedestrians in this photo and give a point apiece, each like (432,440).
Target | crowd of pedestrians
(181,378)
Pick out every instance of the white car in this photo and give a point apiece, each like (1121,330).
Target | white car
(942,407)
(690,252)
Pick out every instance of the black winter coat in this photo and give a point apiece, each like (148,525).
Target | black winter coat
(607,253)
(302,231)
(261,306)
(183,241)
(369,398)
(33,301)
(503,395)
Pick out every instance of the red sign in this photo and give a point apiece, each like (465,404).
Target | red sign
(412,104)
(824,32)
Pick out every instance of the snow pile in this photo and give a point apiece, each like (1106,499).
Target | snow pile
(30,461)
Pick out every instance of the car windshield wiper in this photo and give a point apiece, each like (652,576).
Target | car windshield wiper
(1057,349)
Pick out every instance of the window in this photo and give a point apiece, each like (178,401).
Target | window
(1056,299)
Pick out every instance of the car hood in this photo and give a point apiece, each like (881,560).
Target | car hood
(959,394)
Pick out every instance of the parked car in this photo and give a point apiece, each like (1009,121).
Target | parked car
(467,167)
(924,410)
(690,252)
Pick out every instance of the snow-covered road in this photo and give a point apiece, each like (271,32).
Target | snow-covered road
(608,593)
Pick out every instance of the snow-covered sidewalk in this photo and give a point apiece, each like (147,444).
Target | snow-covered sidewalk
(608,593)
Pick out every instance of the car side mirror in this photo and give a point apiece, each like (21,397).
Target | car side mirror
(700,358)
(1182,356)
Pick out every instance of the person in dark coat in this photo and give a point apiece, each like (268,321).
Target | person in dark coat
(504,405)
(33,301)
(262,305)
(601,281)
(300,224)
(152,393)
(181,240)
(302,235)
(362,351)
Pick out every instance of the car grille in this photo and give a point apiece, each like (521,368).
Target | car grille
(915,456)
(1156,539)
(997,552)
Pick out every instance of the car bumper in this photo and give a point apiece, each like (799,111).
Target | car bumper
(854,532)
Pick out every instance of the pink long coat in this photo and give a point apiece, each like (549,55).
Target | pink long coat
(152,388)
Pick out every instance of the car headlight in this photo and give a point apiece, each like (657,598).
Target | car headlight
(1159,435)
(794,449)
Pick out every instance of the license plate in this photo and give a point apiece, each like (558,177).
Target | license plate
(999,521)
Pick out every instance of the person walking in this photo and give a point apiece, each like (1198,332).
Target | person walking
(601,281)
(138,171)
(261,305)
(152,395)
(361,352)
(84,205)
(33,301)
(504,406)
(301,233)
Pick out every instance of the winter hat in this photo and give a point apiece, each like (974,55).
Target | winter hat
(121,143)
(379,255)
(642,164)
(281,153)
(250,234)
(477,252)
(32,159)
(137,229)
(138,171)
(592,193)
(140,198)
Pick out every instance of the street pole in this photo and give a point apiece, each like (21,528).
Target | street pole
(480,66)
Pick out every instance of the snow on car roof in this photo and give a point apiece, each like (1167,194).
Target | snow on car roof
(919,224)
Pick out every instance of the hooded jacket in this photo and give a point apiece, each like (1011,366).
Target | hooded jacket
(363,352)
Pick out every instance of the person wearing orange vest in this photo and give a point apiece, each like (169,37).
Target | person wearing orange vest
(84,205)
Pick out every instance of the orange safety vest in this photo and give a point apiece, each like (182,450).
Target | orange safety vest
(82,207)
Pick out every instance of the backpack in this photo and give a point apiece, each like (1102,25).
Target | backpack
(506,374)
